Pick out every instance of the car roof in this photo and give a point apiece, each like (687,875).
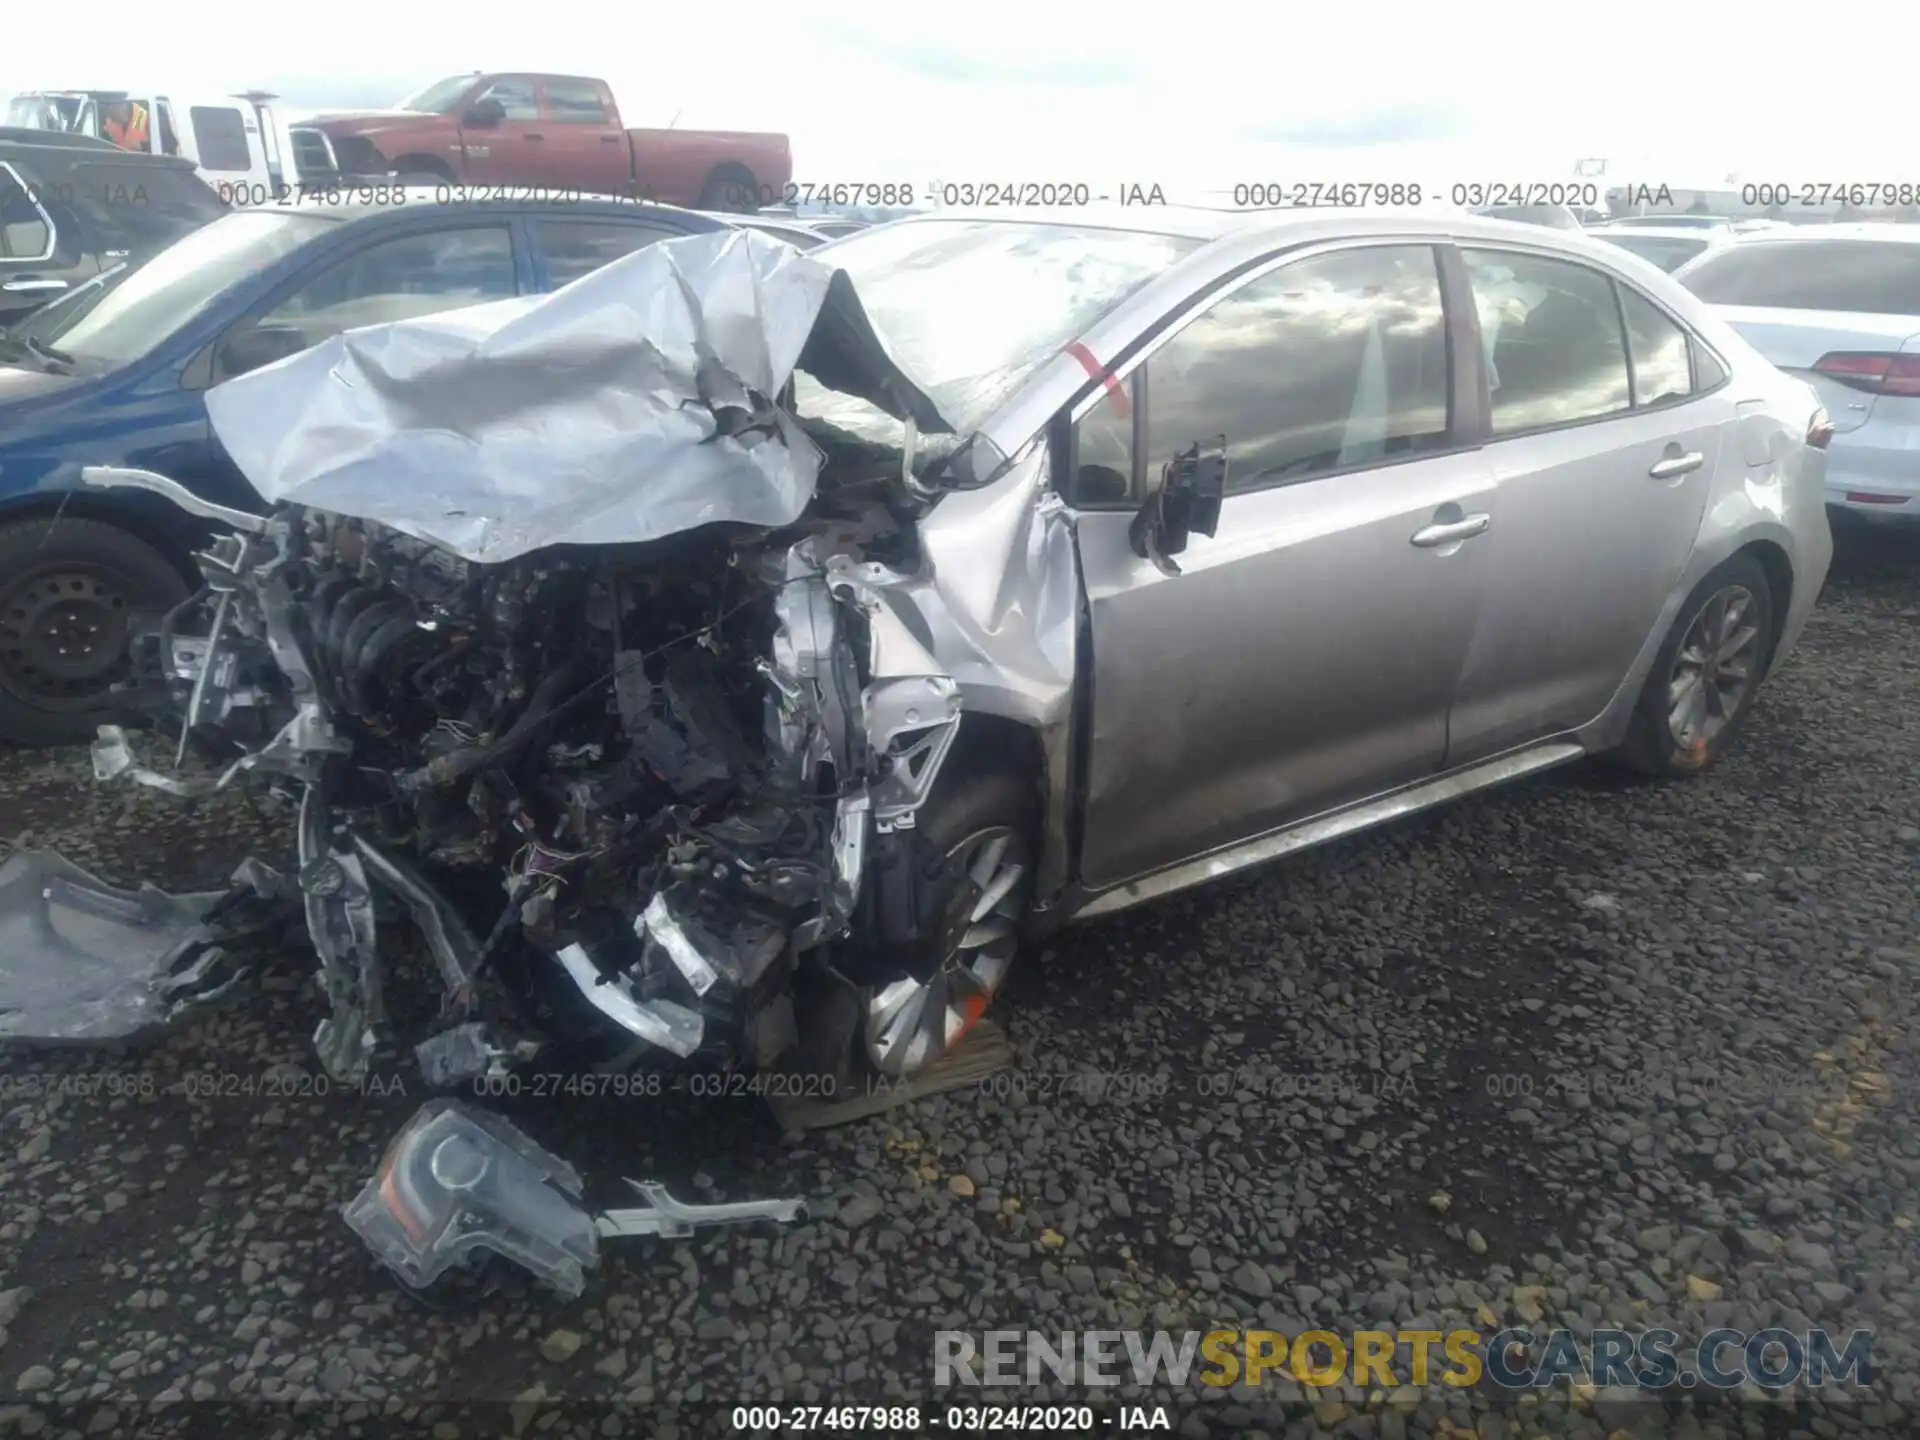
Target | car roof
(1283,226)
(1845,230)
(363,199)
(1702,233)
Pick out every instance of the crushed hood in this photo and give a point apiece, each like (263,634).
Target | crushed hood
(633,403)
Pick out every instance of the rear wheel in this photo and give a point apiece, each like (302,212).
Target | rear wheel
(70,593)
(1702,683)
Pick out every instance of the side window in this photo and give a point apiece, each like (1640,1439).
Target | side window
(220,135)
(1103,450)
(400,279)
(575,102)
(1325,363)
(1551,336)
(579,247)
(26,230)
(1658,349)
(1707,370)
(515,94)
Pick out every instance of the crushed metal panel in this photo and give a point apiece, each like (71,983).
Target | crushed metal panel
(632,404)
(84,961)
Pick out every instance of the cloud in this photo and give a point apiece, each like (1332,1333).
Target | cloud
(951,64)
(1389,125)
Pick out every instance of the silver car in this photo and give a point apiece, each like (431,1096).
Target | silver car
(1838,306)
(753,718)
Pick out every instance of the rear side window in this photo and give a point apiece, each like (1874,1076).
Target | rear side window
(1658,349)
(1323,364)
(579,247)
(576,102)
(1551,338)
(220,135)
(130,206)
(26,231)
(1873,277)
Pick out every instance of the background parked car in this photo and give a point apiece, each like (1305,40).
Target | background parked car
(71,207)
(1838,306)
(552,131)
(115,373)
(1667,246)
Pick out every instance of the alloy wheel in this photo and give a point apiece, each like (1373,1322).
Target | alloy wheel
(912,1023)
(1714,669)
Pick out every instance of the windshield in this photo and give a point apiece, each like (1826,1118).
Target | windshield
(122,314)
(1669,252)
(45,112)
(970,308)
(439,96)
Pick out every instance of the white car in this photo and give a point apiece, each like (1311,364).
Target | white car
(1838,306)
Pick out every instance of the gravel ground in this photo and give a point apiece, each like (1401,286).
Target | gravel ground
(1582,1052)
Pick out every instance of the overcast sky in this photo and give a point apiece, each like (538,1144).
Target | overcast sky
(1191,95)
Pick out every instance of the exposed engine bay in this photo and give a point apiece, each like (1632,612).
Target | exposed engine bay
(647,802)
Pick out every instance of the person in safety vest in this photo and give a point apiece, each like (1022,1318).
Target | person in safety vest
(126,124)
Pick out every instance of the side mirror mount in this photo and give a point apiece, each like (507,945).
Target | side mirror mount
(484,113)
(259,346)
(1192,486)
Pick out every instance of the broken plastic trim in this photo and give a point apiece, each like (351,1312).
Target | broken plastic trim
(455,1182)
(84,961)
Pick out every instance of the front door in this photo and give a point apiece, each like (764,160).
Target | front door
(507,153)
(1602,470)
(1307,654)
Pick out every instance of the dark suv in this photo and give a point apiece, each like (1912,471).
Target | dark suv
(72,206)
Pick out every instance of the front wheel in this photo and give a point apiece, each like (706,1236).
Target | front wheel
(1702,682)
(71,591)
(986,823)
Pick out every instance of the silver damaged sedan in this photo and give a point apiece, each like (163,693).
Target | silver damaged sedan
(727,660)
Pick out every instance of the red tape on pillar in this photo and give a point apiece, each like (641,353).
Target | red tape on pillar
(1115,390)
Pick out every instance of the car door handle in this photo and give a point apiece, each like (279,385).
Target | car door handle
(609,139)
(1448,531)
(533,135)
(1676,465)
(27,287)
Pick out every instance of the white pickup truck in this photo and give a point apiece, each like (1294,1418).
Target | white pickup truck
(240,146)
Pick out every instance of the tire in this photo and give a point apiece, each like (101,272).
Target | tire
(988,814)
(730,189)
(68,592)
(1652,745)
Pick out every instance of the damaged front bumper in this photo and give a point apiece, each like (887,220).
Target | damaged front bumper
(496,709)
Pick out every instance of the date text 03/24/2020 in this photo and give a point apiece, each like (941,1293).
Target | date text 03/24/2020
(949,1420)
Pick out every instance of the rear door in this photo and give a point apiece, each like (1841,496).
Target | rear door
(226,146)
(585,147)
(1603,450)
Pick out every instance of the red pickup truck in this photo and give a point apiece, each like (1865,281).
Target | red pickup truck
(560,132)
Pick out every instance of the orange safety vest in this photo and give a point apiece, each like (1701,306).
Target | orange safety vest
(132,135)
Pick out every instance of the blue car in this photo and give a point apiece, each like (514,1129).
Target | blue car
(116,372)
